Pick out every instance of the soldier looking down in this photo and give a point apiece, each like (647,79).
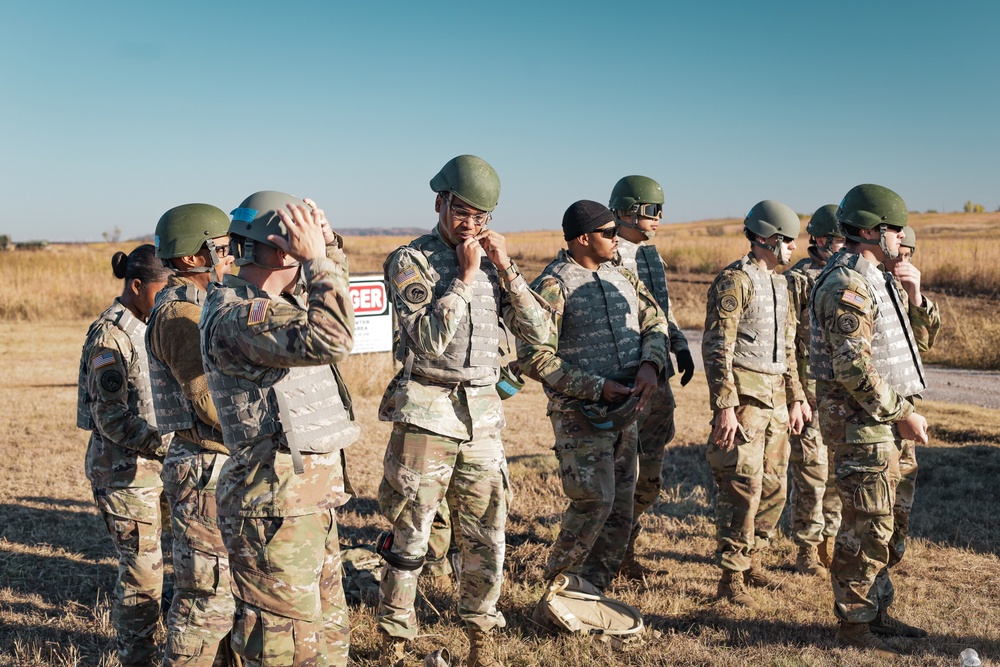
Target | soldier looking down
(452,289)
(271,338)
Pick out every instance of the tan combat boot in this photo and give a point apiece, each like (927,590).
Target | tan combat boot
(887,626)
(825,551)
(631,568)
(391,651)
(756,576)
(857,635)
(732,588)
(807,562)
(482,652)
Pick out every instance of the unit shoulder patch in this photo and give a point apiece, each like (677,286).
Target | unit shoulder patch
(111,380)
(415,293)
(729,303)
(848,323)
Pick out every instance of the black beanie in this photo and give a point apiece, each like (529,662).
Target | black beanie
(585,216)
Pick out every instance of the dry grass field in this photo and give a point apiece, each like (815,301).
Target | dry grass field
(57,566)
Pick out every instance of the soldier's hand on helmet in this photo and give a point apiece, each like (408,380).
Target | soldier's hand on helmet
(724,428)
(796,418)
(469,251)
(328,236)
(913,427)
(495,246)
(909,278)
(615,392)
(685,364)
(645,384)
(305,234)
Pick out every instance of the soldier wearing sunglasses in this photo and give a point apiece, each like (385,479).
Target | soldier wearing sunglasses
(637,202)
(608,345)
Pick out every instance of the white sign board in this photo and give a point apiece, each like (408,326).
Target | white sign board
(372,315)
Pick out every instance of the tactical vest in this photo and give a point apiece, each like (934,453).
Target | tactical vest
(760,335)
(895,355)
(307,407)
(140,393)
(174,412)
(473,354)
(644,261)
(600,319)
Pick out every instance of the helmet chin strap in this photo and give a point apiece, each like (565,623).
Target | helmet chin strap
(634,224)
(777,249)
(884,246)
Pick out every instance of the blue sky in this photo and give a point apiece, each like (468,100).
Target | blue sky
(113,112)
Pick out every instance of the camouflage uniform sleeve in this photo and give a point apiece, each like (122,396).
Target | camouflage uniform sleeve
(848,330)
(523,312)
(111,363)
(925,320)
(542,362)
(798,302)
(429,322)
(678,341)
(276,334)
(652,324)
(728,296)
(174,340)
(793,385)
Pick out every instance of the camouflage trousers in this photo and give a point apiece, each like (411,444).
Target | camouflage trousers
(752,480)
(201,613)
(903,503)
(867,478)
(656,430)
(132,515)
(814,499)
(439,544)
(290,604)
(598,470)
(422,469)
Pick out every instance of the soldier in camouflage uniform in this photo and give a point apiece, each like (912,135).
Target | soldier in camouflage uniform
(637,202)
(451,288)
(125,452)
(925,320)
(815,503)
(191,240)
(608,344)
(866,361)
(755,394)
(270,340)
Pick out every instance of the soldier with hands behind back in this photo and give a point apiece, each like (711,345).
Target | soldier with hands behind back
(191,240)
(755,395)
(637,202)
(451,289)
(271,339)
(599,367)
(125,452)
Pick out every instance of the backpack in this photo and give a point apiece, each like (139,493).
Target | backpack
(573,604)
(362,574)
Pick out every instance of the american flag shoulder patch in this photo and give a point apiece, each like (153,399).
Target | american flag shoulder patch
(405,277)
(102,360)
(853,298)
(258,311)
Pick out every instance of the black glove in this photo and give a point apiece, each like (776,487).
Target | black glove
(685,364)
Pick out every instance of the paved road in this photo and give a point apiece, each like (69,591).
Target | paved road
(951,385)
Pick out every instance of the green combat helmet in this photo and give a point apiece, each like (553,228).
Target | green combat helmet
(823,224)
(471,179)
(871,206)
(184,230)
(768,218)
(257,218)
(910,241)
(638,195)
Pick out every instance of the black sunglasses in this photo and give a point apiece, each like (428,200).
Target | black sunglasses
(607,232)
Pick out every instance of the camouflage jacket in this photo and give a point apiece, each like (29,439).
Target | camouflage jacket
(728,296)
(801,278)
(172,337)
(858,405)
(125,448)
(564,382)
(631,256)
(453,410)
(258,339)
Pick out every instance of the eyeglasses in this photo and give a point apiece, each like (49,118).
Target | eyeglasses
(649,210)
(461,213)
(607,232)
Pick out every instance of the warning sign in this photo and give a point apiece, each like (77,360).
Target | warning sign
(372,315)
